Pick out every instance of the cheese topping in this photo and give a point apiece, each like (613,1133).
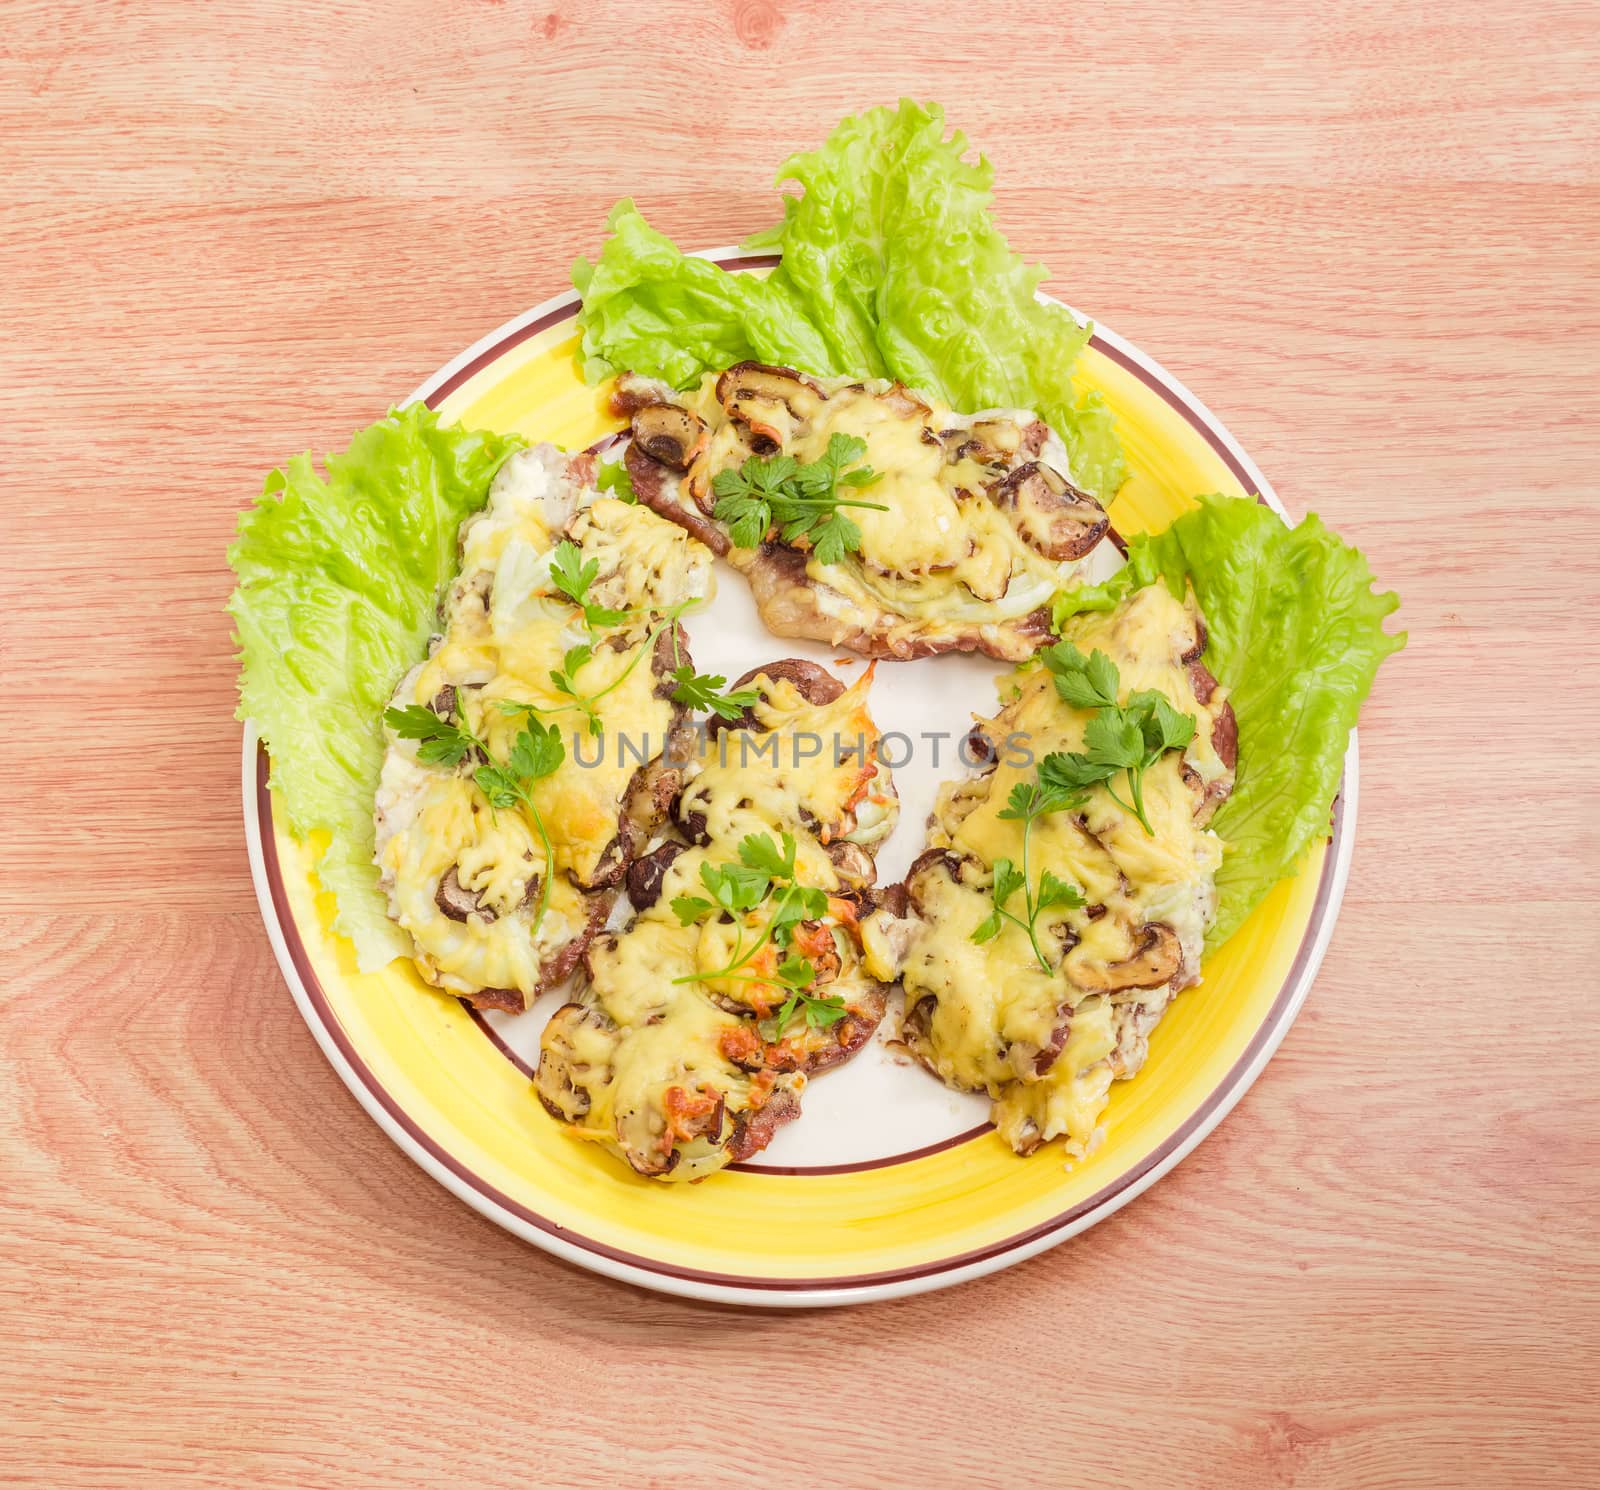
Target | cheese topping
(680,1073)
(465,878)
(964,552)
(1046,1043)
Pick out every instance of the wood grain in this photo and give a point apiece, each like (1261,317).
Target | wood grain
(1364,234)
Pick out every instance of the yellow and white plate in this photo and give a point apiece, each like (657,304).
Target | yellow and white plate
(889,1184)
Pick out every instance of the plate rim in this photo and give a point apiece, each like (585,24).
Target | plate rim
(754,1291)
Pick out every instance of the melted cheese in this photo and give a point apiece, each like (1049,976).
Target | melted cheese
(506,629)
(988,1010)
(942,560)
(646,1040)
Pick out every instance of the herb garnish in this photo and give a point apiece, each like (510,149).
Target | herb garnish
(573,575)
(736,889)
(802,500)
(704,691)
(1130,737)
(536,751)
(1028,802)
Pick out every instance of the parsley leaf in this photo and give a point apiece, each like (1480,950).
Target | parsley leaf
(764,865)
(703,691)
(440,742)
(1029,801)
(820,1011)
(758,851)
(1084,682)
(1129,738)
(803,502)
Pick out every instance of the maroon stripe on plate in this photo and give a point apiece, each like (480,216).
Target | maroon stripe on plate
(444,1157)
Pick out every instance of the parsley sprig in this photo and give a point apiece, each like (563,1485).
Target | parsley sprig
(802,501)
(1028,802)
(703,691)
(573,576)
(1129,737)
(536,752)
(764,869)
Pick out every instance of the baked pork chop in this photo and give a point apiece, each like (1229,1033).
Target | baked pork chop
(1038,948)
(740,972)
(501,901)
(958,528)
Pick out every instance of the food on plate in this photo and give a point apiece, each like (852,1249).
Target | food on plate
(865,515)
(1132,811)
(470,662)
(1064,895)
(500,848)
(740,971)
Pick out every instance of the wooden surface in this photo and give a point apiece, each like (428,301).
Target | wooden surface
(1363,233)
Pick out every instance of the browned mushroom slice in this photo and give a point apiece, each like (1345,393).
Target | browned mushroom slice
(645,875)
(633,391)
(1156,960)
(457,902)
(814,683)
(563,1079)
(771,402)
(853,864)
(988,441)
(510,1000)
(669,434)
(1050,514)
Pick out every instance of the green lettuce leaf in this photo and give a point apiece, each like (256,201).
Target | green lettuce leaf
(338,587)
(892,267)
(1296,636)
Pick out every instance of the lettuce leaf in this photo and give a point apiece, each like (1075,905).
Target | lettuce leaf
(1296,636)
(892,267)
(339,582)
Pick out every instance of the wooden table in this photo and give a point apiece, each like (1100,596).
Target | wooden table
(1364,234)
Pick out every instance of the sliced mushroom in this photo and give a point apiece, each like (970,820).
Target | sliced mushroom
(987,441)
(645,876)
(632,392)
(771,402)
(508,999)
(670,652)
(1156,960)
(814,683)
(853,864)
(1052,516)
(457,902)
(562,1081)
(669,434)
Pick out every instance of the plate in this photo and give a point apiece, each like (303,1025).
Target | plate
(889,1184)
